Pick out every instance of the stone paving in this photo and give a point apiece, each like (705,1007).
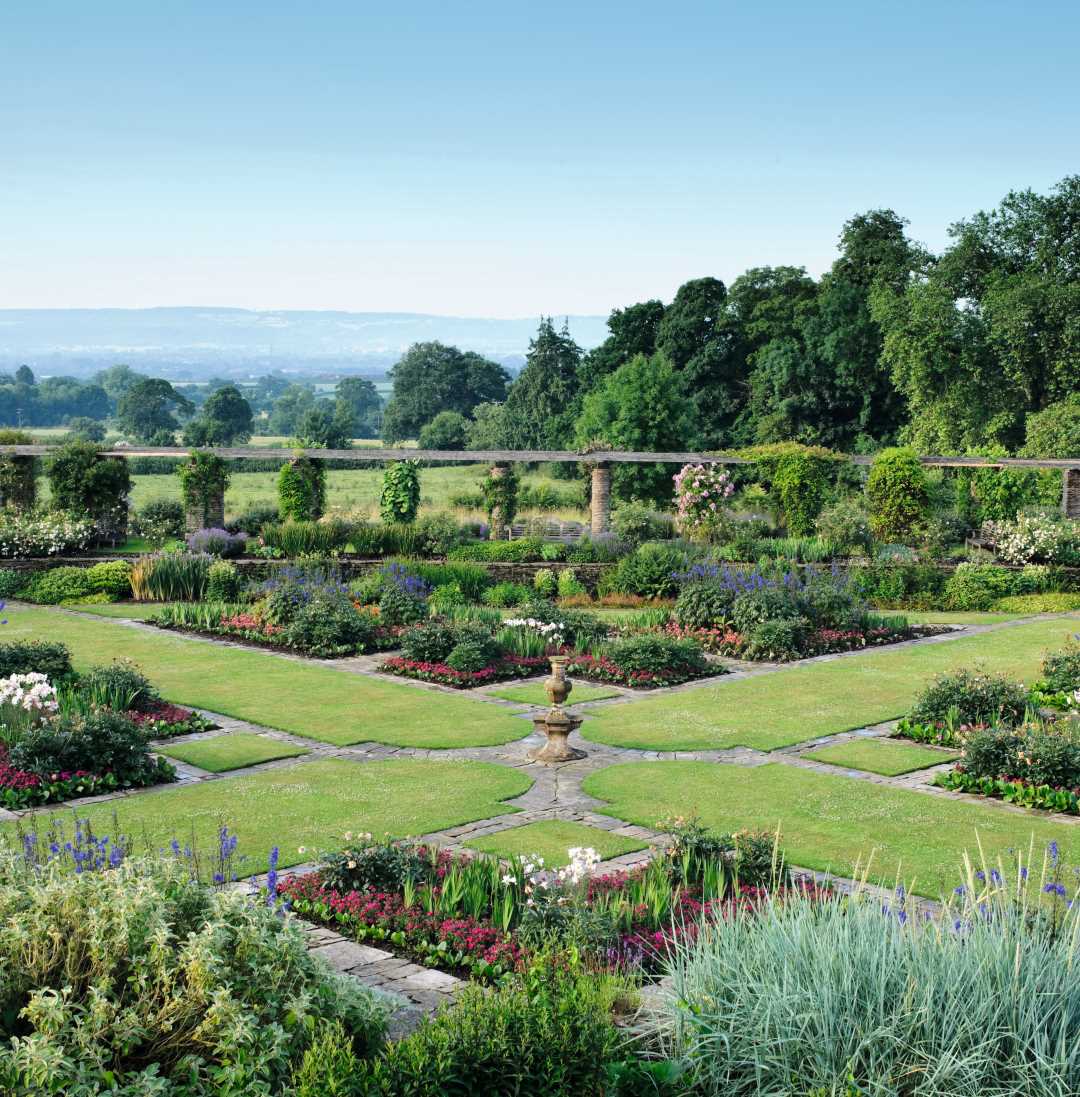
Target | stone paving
(556,793)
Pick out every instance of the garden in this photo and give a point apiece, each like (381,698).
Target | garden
(269,822)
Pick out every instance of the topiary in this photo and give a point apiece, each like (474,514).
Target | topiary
(899,495)
(400,498)
(302,488)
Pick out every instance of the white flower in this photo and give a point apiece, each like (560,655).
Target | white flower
(509,880)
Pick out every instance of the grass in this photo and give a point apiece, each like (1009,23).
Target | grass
(952,617)
(305,698)
(551,839)
(889,757)
(533,694)
(307,807)
(355,491)
(830,823)
(224,752)
(131,611)
(790,706)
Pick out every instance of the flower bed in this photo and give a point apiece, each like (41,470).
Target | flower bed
(508,667)
(166,721)
(1013,790)
(20,788)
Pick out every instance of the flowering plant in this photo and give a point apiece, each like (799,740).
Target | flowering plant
(1031,539)
(700,494)
(24,700)
(52,534)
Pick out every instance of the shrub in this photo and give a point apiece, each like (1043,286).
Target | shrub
(216,542)
(636,523)
(85,484)
(400,606)
(523,550)
(1027,604)
(430,642)
(1031,539)
(24,656)
(899,586)
(800,482)
(139,980)
(99,741)
(475,648)
(704,604)
(506,594)
(300,537)
(11,582)
(650,571)
(328,625)
(814,998)
(36,535)
(971,697)
(446,597)
(656,654)
(437,534)
(545,583)
(846,524)
(112,578)
(976,587)
(764,603)
(222,582)
(701,493)
(1061,669)
(119,686)
(548,1035)
(569,586)
(302,489)
(385,865)
(899,495)
(603,548)
(777,639)
(400,498)
(252,520)
(65,584)
(1036,753)
(160,520)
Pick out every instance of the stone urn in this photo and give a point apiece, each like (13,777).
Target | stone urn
(555,724)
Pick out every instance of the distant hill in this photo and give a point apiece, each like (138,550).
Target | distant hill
(188,343)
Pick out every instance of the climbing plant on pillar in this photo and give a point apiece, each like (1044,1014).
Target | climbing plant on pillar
(302,488)
(203,480)
(400,499)
(18,475)
(500,491)
(83,482)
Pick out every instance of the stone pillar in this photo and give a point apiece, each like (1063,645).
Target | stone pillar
(601,499)
(18,484)
(1070,493)
(207,512)
(498,531)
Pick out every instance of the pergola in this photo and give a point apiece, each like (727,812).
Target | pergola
(600,461)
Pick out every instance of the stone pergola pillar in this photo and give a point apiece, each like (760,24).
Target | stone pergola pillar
(18,488)
(208,512)
(499,521)
(1070,493)
(600,506)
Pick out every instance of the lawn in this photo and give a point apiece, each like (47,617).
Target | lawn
(533,694)
(132,611)
(791,706)
(355,491)
(889,757)
(830,822)
(306,698)
(552,839)
(224,752)
(306,808)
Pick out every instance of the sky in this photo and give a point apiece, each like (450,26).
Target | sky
(500,159)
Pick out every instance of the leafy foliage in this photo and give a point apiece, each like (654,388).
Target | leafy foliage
(400,498)
(302,489)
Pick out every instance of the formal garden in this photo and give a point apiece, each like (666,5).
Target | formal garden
(509,791)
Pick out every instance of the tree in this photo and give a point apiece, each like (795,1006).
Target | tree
(24,375)
(641,406)
(540,407)
(1054,431)
(116,380)
(434,377)
(226,418)
(448,430)
(363,401)
(633,331)
(487,430)
(328,424)
(146,409)
(83,429)
(289,408)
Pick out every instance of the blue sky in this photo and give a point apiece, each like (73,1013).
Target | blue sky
(503,159)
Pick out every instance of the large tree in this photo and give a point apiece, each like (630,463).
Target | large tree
(542,403)
(289,408)
(146,410)
(633,331)
(434,377)
(225,419)
(641,406)
(362,400)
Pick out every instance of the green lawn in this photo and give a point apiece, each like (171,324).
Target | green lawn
(889,757)
(309,699)
(831,822)
(790,706)
(225,752)
(306,808)
(551,839)
(533,694)
(952,617)
(133,611)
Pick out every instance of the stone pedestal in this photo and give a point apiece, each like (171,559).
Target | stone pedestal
(555,724)
(1070,493)
(600,517)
